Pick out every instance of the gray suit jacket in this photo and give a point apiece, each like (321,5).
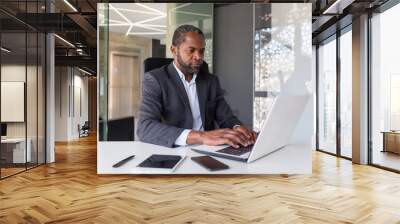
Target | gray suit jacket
(165,111)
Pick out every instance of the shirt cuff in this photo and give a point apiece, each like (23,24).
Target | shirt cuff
(181,140)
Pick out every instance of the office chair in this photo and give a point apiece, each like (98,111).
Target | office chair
(153,63)
(84,129)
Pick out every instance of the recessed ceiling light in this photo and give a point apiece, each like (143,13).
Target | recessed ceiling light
(5,50)
(337,7)
(64,40)
(70,5)
(84,71)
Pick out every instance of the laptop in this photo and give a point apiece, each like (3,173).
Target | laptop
(275,133)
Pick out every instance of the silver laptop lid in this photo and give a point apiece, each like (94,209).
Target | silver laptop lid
(279,124)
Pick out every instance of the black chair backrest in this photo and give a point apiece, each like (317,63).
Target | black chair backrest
(3,129)
(86,125)
(122,129)
(153,63)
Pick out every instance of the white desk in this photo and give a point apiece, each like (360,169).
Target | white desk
(292,159)
(18,150)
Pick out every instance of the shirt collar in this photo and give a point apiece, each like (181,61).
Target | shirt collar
(182,76)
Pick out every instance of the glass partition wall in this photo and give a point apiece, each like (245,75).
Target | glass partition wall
(334,106)
(22,77)
(385,89)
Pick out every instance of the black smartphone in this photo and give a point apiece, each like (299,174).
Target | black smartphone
(122,162)
(210,163)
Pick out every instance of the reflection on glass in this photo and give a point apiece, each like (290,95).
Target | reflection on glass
(327,96)
(262,106)
(282,31)
(385,114)
(346,94)
(129,33)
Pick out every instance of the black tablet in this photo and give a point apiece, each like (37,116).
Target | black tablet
(161,161)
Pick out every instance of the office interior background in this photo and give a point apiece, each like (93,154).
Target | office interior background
(50,88)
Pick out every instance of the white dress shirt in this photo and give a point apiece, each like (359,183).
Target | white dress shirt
(191,92)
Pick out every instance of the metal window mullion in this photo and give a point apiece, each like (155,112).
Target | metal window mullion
(317,97)
(26,87)
(369,89)
(37,91)
(338,92)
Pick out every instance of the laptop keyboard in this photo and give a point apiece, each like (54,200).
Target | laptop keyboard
(236,151)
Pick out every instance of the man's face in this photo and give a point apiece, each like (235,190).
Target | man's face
(189,54)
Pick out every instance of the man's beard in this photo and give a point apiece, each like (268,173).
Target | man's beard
(187,68)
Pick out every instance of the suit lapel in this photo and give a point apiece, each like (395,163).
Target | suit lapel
(201,87)
(173,74)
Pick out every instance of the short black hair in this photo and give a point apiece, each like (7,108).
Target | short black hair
(180,32)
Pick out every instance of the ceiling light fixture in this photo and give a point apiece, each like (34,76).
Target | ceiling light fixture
(337,7)
(142,24)
(84,71)
(137,11)
(70,5)
(120,14)
(147,33)
(5,50)
(151,9)
(65,41)
(154,29)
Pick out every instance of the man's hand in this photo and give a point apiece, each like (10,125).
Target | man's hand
(250,135)
(218,137)
(235,137)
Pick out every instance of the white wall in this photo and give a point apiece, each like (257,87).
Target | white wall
(80,82)
(17,73)
(33,106)
(61,103)
(68,81)
(314,75)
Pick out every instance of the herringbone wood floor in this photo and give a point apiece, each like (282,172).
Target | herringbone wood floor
(70,191)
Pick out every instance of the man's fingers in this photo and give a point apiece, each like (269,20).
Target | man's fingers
(235,139)
(222,141)
(244,139)
(219,140)
(244,132)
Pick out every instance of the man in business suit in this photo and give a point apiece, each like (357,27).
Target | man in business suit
(181,103)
